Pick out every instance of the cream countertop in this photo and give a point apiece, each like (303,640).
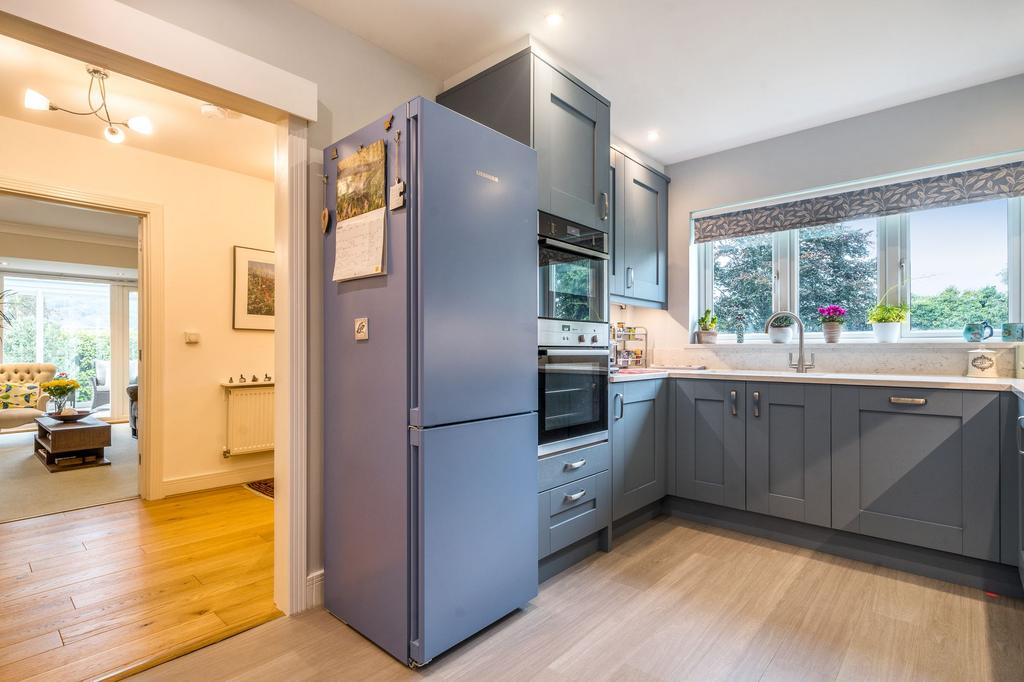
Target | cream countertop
(901,380)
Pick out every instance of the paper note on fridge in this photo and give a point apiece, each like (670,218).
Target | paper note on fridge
(359,246)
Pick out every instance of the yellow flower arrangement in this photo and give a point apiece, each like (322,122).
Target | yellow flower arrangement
(60,388)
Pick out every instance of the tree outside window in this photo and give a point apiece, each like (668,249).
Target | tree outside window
(839,266)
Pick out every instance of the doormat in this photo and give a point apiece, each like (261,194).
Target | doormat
(263,487)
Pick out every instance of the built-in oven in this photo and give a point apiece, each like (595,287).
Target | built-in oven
(573,404)
(572,272)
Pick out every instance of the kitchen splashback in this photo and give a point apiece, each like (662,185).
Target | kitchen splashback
(855,358)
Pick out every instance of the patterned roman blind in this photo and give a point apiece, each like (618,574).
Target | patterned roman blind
(951,189)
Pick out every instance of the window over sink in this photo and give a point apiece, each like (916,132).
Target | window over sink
(951,265)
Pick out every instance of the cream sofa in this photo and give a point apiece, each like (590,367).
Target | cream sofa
(25,373)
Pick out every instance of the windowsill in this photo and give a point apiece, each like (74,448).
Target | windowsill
(861,343)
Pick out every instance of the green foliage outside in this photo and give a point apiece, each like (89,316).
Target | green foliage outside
(838,266)
(72,352)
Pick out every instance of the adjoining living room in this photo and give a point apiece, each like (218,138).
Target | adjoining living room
(69,358)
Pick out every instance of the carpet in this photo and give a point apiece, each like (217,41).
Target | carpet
(264,487)
(28,489)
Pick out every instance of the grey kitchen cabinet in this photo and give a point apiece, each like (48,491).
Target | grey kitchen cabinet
(574,498)
(617,236)
(1009,463)
(1019,445)
(789,451)
(568,123)
(710,442)
(644,202)
(638,435)
(918,466)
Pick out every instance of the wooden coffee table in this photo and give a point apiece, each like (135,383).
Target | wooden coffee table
(62,446)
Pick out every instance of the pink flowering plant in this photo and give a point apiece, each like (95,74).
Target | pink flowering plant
(832,313)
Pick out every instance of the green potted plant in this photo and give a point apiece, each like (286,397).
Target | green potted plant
(886,321)
(707,328)
(781,330)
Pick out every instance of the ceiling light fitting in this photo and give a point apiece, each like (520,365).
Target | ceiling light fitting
(112,130)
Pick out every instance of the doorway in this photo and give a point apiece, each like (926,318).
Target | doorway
(69,278)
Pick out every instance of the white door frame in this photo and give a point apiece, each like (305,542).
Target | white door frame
(139,45)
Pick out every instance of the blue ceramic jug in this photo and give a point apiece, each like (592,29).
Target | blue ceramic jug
(977,331)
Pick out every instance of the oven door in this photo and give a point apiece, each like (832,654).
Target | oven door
(573,404)
(573,282)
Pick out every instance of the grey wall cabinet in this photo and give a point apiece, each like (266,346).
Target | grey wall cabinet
(568,124)
(710,420)
(639,233)
(789,451)
(918,466)
(639,428)
(616,243)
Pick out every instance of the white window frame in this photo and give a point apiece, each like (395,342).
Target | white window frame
(894,273)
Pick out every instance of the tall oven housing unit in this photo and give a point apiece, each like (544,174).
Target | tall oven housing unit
(430,423)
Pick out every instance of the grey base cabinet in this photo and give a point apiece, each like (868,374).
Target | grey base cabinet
(918,466)
(710,423)
(639,425)
(789,451)
(575,498)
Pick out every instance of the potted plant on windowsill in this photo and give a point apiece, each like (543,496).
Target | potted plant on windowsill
(886,321)
(707,328)
(832,318)
(781,330)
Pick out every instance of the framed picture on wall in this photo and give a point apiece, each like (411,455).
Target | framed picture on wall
(253,289)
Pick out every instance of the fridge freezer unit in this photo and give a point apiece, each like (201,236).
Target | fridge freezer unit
(430,431)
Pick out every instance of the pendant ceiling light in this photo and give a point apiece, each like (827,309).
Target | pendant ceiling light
(112,130)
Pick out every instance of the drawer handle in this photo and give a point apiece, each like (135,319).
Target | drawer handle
(575,496)
(573,466)
(1020,425)
(897,400)
(732,402)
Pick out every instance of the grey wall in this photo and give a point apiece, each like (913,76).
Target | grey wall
(356,81)
(978,121)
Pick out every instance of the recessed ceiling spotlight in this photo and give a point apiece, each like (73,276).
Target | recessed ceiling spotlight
(113,134)
(554,19)
(652,136)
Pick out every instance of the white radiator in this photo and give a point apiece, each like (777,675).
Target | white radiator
(250,418)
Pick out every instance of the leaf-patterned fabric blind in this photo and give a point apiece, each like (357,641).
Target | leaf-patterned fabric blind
(951,189)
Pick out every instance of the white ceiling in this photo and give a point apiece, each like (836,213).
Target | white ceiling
(712,75)
(240,143)
(35,212)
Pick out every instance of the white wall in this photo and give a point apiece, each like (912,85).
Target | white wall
(979,121)
(206,212)
(357,82)
(57,250)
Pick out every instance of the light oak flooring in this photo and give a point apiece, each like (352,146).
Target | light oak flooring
(676,601)
(103,591)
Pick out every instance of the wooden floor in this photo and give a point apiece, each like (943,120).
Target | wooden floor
(102,591)
(676,601)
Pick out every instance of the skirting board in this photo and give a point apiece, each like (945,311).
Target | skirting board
(315,589)
(219,479)
(953,568)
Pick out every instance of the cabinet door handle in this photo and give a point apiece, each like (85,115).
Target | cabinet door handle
(1020,427)
(732,401)
(619,405)
(897,400)
(575,496)
(573,466)
(629,277)
(604,206)
(757,403)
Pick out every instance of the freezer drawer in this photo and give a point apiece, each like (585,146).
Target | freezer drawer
(475,559)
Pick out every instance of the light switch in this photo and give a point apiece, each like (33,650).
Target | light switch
(362,329)
(191,337)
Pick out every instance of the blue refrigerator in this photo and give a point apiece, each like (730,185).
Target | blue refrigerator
(430,424)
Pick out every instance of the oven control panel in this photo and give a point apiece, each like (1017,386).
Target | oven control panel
(572,334)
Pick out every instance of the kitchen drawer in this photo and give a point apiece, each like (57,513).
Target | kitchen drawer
(565,523)
(566,467)
(587,515)
(898,399)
